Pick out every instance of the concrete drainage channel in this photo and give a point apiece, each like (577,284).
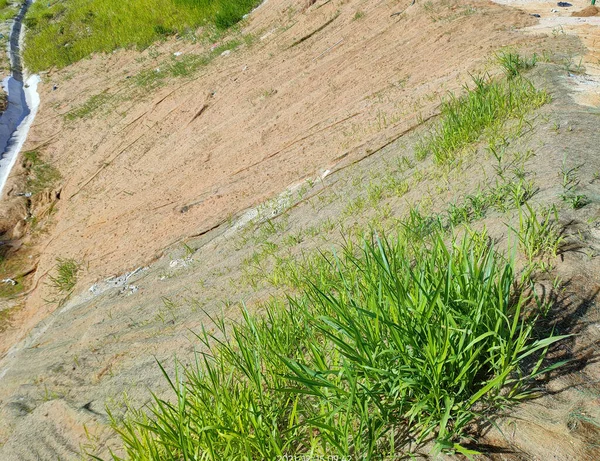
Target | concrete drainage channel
(23,101)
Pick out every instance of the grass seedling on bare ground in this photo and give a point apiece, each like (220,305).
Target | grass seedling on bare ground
(90,106)
(502,197)
(576,201)
(41,175)
(184,66)
(389,341)
(65,275)
(513,63)
(6,316)
(570,181)
(538,232)
(573,67)
(511,194)
(485,107)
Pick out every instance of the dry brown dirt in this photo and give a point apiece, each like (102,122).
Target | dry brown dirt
(153,167)
(586,12)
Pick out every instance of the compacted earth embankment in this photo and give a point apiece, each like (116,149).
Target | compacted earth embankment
(331,152)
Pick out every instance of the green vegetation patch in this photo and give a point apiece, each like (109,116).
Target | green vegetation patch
(6,317)
(65,275)
(181,67)
(42,175)
(486,106)
(90,106)
(61,32)
(395,342)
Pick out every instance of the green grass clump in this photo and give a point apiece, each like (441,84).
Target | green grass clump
(388,345)
(513,63)
(90,106)
(6,317)
(42,175)
(487,106)
(181,67)
(539,233)
(62,32)
(66,275)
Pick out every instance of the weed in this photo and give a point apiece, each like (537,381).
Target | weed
(485,107)
(358,15)
(574,68)
(355,207)
(189,251)
(6,315)
(419,225)
(568,176)
(395,185)
(502,197)
(570,181)
(538,232)
(513,63)
(42,175)
(576,201)
(389,342)
(375,192)
(90,106)
(65,279)
(181,67)
(558,31)
(458,214)
(404,163)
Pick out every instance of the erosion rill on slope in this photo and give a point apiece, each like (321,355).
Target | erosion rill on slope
(22,101)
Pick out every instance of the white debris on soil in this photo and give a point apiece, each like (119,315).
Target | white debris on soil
(116,282)
(179,262)
(129,290)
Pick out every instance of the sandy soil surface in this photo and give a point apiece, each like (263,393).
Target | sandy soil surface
(319,89)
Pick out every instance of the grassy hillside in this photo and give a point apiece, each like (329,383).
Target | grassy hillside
(65,31)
